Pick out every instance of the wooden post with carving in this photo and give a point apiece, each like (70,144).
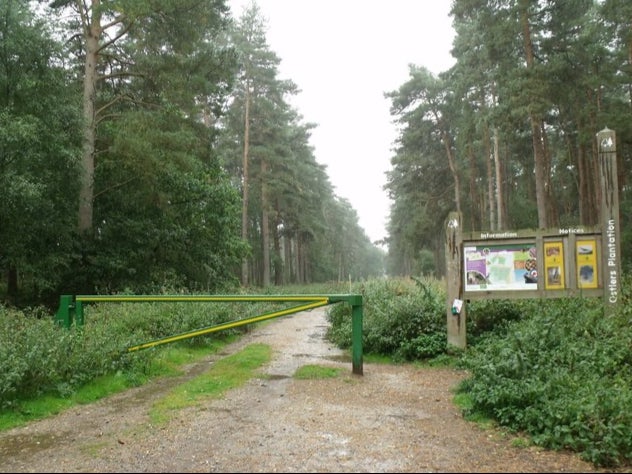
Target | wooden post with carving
(456,310)
(611,244)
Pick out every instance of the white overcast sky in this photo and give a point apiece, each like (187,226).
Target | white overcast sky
(344,55)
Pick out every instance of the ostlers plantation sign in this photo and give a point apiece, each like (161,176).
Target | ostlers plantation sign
(549,263)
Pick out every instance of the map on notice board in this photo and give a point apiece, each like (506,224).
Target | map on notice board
(501,267)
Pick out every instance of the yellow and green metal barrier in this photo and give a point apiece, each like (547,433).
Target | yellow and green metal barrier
(71,311)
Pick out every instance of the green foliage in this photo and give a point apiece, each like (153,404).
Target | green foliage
(402,318)
(562,375)
(170,216)
(39,145)
(486,316)
(458,150)
(40,357)
(163,363)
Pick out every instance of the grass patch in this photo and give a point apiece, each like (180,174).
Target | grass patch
(465,403)
(225,374)
(521,442)
(310,372)
(29,410)
(166,364)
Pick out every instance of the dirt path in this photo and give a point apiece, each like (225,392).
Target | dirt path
(390,419)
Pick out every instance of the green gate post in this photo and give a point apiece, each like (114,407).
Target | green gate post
(356,334)
(65,311)
(79,313)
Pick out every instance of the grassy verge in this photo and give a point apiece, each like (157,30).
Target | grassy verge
(225,374)
(167,364)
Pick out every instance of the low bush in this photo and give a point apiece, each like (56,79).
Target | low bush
(562,375)
(41,357)
(404,319)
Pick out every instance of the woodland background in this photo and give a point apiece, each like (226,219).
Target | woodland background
(147,146)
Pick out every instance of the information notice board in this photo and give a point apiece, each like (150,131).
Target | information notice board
(524,264)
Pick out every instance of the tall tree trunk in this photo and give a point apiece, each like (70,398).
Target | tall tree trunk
(288,243)
(487,150)
(279,272)
(265,225)
(491,197)
(299,258)
(305,273)
(295,258)
(536,125)
(455,175)
(506,189)
(475,218)
(447,143)
(245,183)
(340,268)
(552,212)
(92,33)
(500,202)
(629,62)
(540,179)
(289,263)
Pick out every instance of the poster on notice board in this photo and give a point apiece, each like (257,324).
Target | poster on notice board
(554,265)
(586,258)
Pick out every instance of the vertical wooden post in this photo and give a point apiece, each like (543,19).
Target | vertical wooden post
(610,230)
(454,270)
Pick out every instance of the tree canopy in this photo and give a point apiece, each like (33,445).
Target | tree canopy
(150,146)
(507,136)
